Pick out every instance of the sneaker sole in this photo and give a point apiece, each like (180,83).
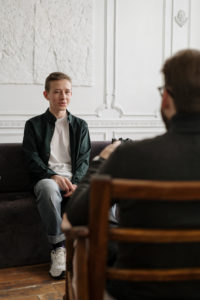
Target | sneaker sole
(61,276)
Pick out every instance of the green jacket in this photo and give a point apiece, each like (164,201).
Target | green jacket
(38,133)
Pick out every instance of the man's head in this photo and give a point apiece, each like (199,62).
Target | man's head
(182,80)
(58,91)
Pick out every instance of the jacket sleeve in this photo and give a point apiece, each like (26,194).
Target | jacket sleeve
(83,155)
(37,168)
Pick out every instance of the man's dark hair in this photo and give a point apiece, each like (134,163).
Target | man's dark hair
(182,80)
(53,77)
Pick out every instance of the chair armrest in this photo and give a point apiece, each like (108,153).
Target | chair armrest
(76,232)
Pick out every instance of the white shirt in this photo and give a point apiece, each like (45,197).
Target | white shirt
(60,156)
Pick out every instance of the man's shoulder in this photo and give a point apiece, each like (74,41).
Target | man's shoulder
(152,140)
(130,157)
(144,144)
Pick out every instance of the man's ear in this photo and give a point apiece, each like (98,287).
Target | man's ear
(167,105)
(165,100)
(45,94)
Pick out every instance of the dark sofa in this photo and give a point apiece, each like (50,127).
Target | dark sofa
(22,236)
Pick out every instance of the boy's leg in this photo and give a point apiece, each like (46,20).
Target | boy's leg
(48,199)
(49,205)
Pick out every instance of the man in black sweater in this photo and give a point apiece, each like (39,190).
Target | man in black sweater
(174,155)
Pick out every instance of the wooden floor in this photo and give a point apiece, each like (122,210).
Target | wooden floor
(30,283)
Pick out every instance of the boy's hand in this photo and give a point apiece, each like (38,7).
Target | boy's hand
(105,153)
(67,194)
(64,184)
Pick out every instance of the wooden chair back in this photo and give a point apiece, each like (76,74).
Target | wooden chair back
(103,190)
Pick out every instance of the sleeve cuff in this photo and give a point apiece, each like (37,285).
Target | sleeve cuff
(98,158)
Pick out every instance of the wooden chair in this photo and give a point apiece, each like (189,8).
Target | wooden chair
(92,270)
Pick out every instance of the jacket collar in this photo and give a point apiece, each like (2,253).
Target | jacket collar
(185,123)
(52,119)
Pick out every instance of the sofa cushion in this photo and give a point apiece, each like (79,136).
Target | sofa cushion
(22,235)
(14,175)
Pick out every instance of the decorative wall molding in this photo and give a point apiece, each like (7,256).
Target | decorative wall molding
(11,124)
(98,123)
(110,57)
(98,135)
(40,36)
(181,24)
(150,124)
(11,131)
(176,12)
(181,18)
(167,29)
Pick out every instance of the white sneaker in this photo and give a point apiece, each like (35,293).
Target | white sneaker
(58,263)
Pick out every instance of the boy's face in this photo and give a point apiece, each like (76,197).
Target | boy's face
(59,95)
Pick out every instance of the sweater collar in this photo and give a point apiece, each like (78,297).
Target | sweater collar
(185,123)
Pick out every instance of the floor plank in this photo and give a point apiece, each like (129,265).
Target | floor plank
(30,283)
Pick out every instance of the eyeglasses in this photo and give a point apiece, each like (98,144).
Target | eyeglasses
(161,91)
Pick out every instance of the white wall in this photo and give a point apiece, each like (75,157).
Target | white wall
(112,49)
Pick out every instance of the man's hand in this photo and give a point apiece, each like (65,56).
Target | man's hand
(64,185)
(105,153)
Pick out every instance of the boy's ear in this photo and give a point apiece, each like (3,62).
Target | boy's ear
(45,94)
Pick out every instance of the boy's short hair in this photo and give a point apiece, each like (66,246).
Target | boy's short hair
(182,80)
(55,76)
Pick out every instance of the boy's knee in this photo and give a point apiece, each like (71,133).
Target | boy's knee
(46,186)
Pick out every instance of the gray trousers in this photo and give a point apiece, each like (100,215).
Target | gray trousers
(49,199)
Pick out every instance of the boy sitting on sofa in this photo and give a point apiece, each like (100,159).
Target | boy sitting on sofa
(57,147)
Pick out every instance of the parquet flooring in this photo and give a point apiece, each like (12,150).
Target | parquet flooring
(30,283)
